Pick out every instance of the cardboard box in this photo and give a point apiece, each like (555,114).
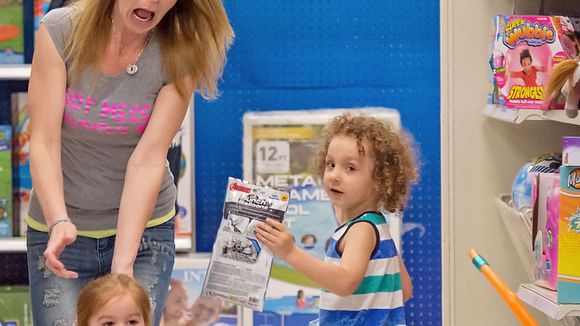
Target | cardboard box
(525,50)
(569,236)
(6,223)
(15,307)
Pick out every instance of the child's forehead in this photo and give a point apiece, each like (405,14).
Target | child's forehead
(365,143)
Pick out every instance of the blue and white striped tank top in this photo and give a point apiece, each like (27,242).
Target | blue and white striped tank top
(379,298)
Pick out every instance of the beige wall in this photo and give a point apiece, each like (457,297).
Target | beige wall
(480,156)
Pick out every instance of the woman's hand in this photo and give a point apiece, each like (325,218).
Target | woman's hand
(61,235)
(276,236)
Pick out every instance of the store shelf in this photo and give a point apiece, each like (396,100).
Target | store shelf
(183,244)
(546,301)
(14,72)
(12,244)
(19,244)
(519,228)
(518,116)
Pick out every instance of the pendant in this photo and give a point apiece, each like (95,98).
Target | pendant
(132,69)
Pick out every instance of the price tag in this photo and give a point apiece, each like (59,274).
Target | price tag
(272,156)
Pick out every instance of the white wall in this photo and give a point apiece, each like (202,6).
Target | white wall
(479,159)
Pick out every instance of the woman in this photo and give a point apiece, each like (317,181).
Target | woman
(104,197)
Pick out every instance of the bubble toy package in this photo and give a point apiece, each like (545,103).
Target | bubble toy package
(525,50)
(239,269)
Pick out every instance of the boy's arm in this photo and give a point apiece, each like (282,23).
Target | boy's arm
(343,279)
(406,283)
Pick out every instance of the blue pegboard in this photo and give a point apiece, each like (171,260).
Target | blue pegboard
(332,54)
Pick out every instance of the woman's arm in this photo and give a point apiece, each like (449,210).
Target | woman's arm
(342,279)
(145,173)
(46,93)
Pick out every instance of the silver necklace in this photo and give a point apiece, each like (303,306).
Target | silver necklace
(132,68)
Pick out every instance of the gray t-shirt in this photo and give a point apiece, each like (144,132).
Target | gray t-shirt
(102,124)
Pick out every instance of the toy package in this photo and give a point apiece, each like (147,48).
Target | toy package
(569,235)
(11,32)
(15,309)
(6,223)
(525,48)
(546,194)
(239,268)
(21,179)
(185,305)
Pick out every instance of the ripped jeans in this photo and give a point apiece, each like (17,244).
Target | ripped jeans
(54,298)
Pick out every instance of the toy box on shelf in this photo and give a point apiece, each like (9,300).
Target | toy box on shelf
(183,300)
(6,223)
(546,205)
(21,179)
(11,32)
(524,50)
(279,149)
(15,307)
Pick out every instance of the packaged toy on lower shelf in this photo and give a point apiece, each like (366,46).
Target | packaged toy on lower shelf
(569,236)
(546,210)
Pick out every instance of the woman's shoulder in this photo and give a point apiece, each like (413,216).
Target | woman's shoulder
(59,15)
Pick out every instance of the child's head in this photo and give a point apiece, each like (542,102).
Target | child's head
(206,310)
(526,60)
(176,302)
(114,298)
(300,294)
(308,239)
(364,158)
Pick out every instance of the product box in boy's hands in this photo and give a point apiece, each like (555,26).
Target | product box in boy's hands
(239,268)
(525,49)
(6,181)
(569,235)
(546,212)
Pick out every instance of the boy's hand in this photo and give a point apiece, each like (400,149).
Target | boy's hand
(275,236)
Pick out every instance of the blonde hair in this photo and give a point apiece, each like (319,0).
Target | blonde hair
(393,153)
(97,293)
(194,38)
(558,77)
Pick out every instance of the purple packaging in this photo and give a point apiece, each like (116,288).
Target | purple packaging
(545,230)
(571,150)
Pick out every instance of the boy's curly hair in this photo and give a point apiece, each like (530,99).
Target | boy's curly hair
(393,150)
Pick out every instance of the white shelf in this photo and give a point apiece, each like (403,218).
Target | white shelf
(183,244)
(519,228)
(546,301)
(14,72)
(520,115)
(19,244)
(12,244)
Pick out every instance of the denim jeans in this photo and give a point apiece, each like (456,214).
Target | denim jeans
(54,298)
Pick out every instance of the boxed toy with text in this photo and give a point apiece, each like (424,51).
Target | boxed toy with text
(21,179)
(6,223)
(569,235)
(525,49)
(546,211)
(15,309)
(11,32)
(185,305)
